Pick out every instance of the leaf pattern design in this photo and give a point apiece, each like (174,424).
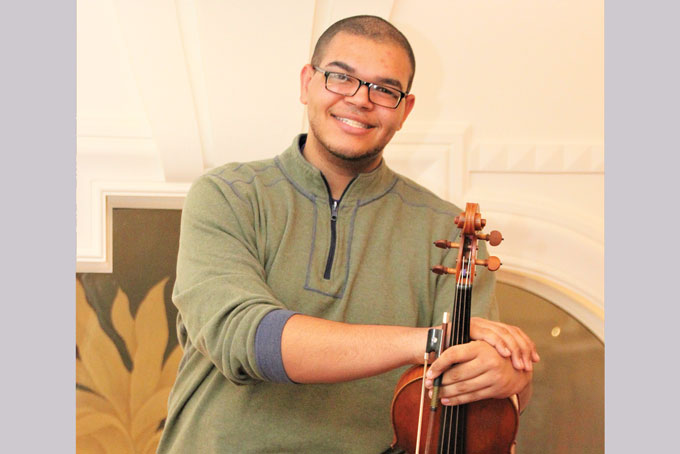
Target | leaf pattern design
(118,411)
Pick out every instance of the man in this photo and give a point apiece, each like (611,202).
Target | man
(303,282)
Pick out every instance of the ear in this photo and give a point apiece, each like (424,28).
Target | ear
(408,102)
(305,77)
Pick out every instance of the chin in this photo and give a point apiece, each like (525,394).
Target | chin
(354,156)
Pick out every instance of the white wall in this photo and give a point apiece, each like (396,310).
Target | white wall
(509,113)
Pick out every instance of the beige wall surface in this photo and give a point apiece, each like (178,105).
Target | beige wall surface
(509,113)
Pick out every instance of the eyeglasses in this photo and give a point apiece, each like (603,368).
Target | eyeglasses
(346,85)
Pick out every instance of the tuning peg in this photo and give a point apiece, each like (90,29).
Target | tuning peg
(494,238)
(439,269)
(446,244)
(492,263)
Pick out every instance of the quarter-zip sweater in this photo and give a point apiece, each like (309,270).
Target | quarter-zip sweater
(256,237)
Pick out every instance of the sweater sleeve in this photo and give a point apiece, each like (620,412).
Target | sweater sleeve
(220,291)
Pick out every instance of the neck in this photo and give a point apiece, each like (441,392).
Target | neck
(337,171)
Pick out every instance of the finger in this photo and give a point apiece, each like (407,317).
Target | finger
(481,329)
(509,338)
(463,373)
(527,347)
(459,373)
(519,345)
(450,356)
(474,386)
(533,353)
(468,397)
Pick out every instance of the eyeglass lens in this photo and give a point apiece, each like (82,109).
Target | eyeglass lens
(346,85)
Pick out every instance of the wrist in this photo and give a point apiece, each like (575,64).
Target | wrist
(416,343)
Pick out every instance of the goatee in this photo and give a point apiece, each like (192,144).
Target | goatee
(367,156)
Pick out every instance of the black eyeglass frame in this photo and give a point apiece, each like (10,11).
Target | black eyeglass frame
(402,95)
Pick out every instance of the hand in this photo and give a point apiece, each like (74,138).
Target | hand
(510,341)
(478,372)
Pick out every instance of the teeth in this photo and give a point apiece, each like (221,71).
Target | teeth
(356,124)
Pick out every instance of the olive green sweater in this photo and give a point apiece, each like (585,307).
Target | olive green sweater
(257,237)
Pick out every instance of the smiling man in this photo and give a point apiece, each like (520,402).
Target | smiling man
(303,283)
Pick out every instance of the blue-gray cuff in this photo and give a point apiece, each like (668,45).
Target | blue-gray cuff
(268,345)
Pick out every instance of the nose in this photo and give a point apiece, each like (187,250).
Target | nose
(360,98)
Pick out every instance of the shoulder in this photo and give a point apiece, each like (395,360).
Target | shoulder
(416,195)
(236,178)
(243,172)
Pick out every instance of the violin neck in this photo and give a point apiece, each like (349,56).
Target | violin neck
(460,319)
(453,418)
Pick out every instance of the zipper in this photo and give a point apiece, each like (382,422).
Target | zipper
(331,250)
(334,204)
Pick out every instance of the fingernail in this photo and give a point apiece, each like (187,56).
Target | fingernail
(428,383)
(429,374)
(536,357)
(506,350)
(521,363)
(429,394)
(445,401)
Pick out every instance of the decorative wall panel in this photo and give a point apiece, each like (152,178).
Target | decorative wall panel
(126,345)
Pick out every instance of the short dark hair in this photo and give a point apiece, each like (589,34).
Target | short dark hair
(371,27)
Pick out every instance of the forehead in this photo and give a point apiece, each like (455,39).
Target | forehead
(369,59)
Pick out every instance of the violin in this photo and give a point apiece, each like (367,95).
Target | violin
(484,427)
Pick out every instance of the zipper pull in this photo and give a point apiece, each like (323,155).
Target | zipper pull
(334,210)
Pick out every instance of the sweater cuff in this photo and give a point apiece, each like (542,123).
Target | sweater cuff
(268,345)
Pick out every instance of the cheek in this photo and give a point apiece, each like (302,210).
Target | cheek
(392,124)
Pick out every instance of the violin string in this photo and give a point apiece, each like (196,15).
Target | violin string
(445,409)
(464,337)
(459,438)
(447,414)
(459,340)
(457,336)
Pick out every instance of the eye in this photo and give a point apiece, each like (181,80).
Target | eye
(339,77)
(384,91)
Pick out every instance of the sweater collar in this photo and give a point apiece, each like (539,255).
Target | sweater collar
(308,179)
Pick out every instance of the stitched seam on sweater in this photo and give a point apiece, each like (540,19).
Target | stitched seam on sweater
(251,167)
(231,183)
(228,183)
(420,205)
(366,202)
(349,247)
(310,196)
(311,249)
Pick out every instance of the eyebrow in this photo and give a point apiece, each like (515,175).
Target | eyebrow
(380,81)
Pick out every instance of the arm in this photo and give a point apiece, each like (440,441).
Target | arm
(220,290)
(322,351)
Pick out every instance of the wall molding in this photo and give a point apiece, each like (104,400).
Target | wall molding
(107,195)
(544,158)
(575,304)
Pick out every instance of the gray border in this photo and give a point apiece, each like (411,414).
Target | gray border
(38,48)
(641,122)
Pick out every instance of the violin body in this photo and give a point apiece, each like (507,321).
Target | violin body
(491,423)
